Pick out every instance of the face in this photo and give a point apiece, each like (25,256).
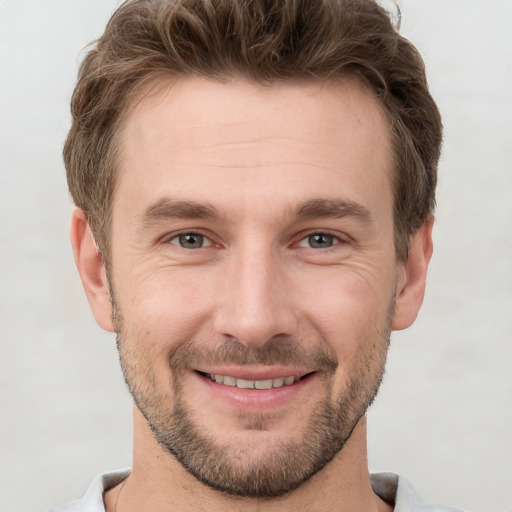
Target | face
(254,274)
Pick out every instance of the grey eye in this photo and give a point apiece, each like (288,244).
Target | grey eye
(320,241)
(190,240)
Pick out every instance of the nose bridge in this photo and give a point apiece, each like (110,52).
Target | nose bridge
(253,306)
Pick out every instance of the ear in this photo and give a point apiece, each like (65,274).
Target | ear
(413,274)
(91,268)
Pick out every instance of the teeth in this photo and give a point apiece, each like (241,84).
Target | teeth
(278,383)
(263,384)
(245,384)
(253,384)
(229,381)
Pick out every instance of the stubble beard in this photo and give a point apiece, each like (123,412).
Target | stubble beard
(272,470)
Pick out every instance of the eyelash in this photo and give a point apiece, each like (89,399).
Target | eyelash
(177,237)
(336,239)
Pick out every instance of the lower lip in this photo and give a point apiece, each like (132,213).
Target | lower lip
(251,399)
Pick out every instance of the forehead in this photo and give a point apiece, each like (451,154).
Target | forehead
(197,136)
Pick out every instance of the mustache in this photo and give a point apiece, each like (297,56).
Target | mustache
(277,351)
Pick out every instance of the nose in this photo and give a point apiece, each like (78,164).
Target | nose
(254,304)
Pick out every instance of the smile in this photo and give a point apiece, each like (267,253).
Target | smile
(253,384)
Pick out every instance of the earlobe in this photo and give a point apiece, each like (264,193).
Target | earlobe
(411,288)
(91,268)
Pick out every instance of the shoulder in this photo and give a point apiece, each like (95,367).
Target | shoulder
(92,501)
(396,489)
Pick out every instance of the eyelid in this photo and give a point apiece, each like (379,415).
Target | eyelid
(170,237)
(301,237)
(338,237)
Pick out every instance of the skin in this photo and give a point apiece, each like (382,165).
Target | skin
(254,154)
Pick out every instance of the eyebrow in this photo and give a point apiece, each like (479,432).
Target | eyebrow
(332,208)
(167,208)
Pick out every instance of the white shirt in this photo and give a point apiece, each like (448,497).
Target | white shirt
(388,486)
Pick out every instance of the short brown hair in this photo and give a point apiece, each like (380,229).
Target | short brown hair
(263,41)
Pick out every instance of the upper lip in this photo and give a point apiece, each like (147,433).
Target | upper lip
(248,373)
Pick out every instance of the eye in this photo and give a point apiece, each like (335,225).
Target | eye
(190,241)
(319,241)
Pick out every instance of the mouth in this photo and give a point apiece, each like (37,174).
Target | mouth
(231,381)
(255,390)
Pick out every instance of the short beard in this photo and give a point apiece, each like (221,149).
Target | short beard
(231,468)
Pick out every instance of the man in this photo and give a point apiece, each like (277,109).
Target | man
(254,185)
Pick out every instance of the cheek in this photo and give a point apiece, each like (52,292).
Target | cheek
(163,306)
(349,310)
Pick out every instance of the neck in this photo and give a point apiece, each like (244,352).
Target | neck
(159,483)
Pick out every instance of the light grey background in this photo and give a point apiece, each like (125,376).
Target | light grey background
(444,415)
